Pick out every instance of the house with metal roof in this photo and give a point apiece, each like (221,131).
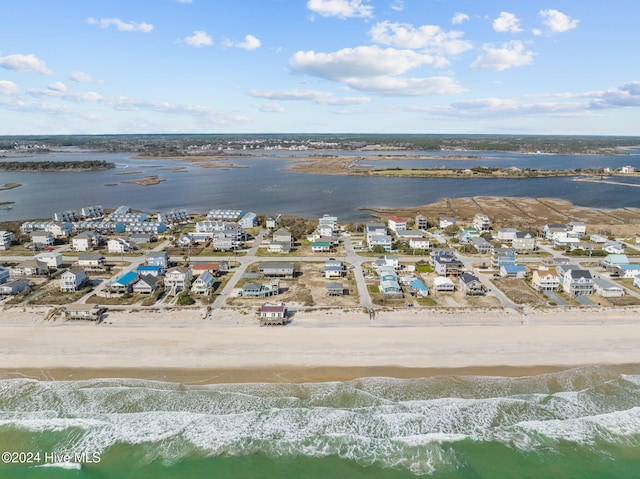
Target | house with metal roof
(124,284)
(146,284)
(203,283)
(273,314)
(335,289)
(607,289)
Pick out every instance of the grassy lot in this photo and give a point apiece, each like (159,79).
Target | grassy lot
(519,291)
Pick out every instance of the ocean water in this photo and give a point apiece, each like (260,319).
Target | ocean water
(580,423)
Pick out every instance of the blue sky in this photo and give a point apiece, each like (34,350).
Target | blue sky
(325,66)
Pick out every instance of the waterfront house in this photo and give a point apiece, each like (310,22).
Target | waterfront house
(578,282)
(470,284)
(481,222)
(14,287)
(72,279)
(91,312)
(551,229)
(396,223)
(408,234)
(418,288)
(249,220)
(158,258)
(627,169)
(147,269)
(177,278)
(334,289)
(258,290)
(270,222)
(91,261)
(273,314)
(374,229)
(545,279)
(203,283)
(276,270)
(59,230)
(123,284)
(390,288)
(6,240)
(513,271)
(147,284)
(607,289)
(42,239)
(443,284)
(30,267)
(52,259)
(283,235)
(422,223)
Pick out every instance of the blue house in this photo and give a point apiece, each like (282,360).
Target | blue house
(513,271)
(124,284)
(418,287)
(146,269)
(158,258)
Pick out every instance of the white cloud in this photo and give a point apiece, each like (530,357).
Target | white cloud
(58,86)
(8,88)
(509,55)
(357,62)
(340,8)
(319,97)
(395,86)
(430,38)
(82,77)
(507,23)
(270,108)
(459,18)
(620,97)
(397,5)
(24,63)
(556,21)
(250,43)
(121,25)
(198,39)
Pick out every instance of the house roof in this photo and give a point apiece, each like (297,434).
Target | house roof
(90,257)
(126,279)
(251,286)
(606,284)
(468,277)
(334,286)
(441,280)
(75,270)
(205,266)
(580,273)
(397,219)
(275,266)
(272,308)
(206,278)
(149,280)
(419,285)
(513,268)
(617,259)
(629,267)
(148,267)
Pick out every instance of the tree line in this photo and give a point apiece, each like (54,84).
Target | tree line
(55,165)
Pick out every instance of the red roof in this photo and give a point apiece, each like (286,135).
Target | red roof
(206,266)
(397,219)
(272,308)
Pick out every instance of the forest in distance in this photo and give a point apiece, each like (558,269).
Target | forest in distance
(212,144)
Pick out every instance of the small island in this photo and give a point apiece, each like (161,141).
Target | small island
(86,165)
(9,186)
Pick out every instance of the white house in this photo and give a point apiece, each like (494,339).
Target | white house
(86,241)
(119,245)
(578,282)
(627,169)
(607,289)
(91,261)
(51,259)
(545,279)
(443,284)
(613,247)
(397,223)
(42,238)
(507,234)
(420,243)
(72,279)
(481,222)
(177,278)
(577,227)
(6,239)
(446,221)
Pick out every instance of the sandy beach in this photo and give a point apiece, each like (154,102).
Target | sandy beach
(317,345)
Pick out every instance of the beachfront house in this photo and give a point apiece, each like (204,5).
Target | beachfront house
(204,283)
(14,287)
(177,279)
(481,222)
(123,284)
(73,279)
(524,241)
(607,289)
(147,284)
(90,312)
(249,220)
(258,290)
(385,241)
(470,284)
(545,279)
(95,262)
(276,270)
(6,240)
(147,269)
(418,288)
(513,271)
(273,314)
(335,289)
(578,282)
(442,284)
